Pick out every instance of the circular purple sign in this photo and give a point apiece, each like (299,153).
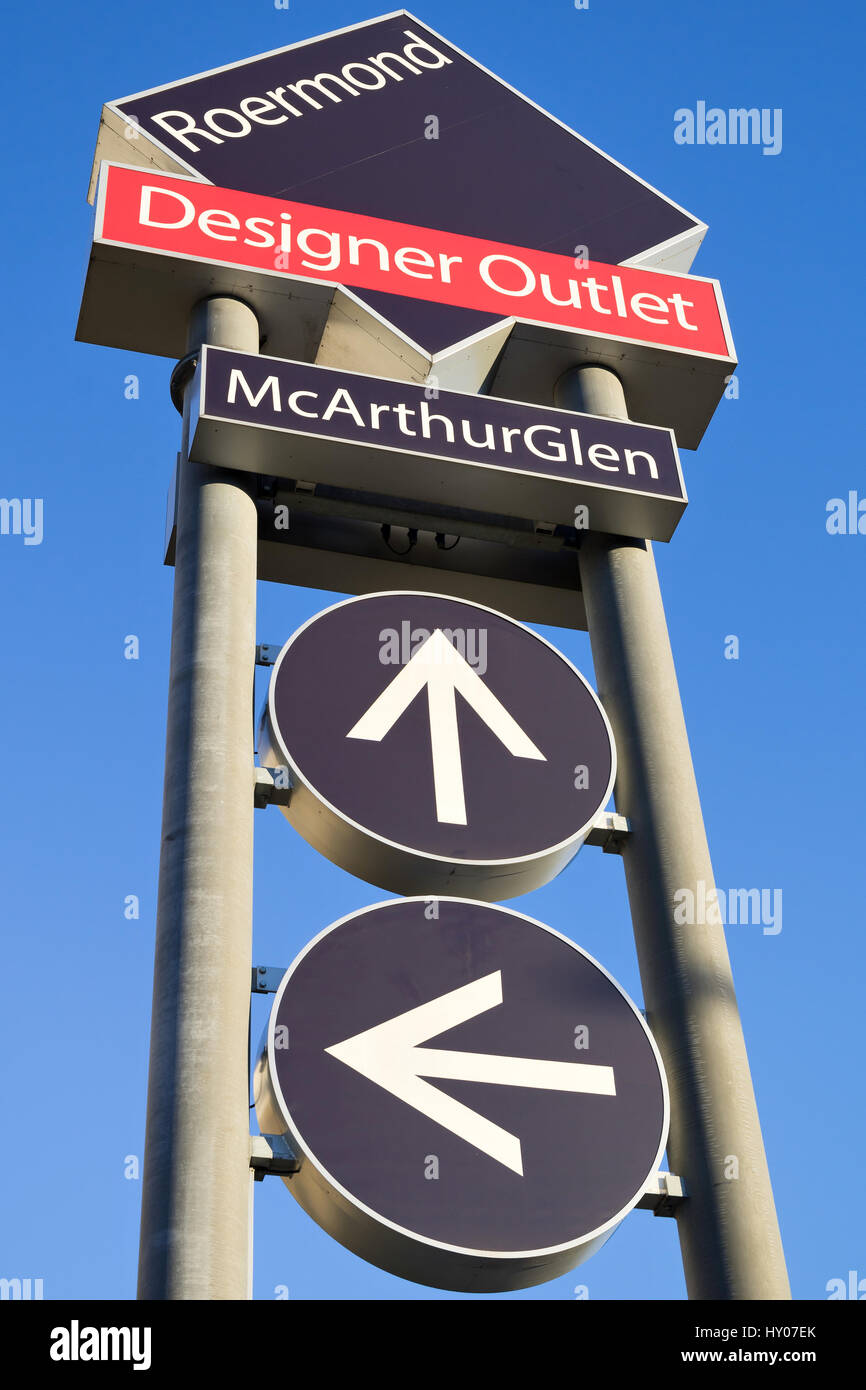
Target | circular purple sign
(476,1103)
(436,745)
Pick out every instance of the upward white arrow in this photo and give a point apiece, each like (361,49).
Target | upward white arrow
(389,1055)
(438,665)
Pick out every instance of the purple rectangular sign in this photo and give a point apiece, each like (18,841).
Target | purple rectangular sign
(446,448)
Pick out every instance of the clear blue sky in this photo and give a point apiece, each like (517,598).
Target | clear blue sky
(777,735)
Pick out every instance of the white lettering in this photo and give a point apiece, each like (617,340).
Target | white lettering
(427,420)
(417,43)
(184,131)
(354,78)
(355,244)
(317,82)
(575,445)
(271,384)
(401,258)
(255,106)
(528,276)
(595,289)
(643,302)
(488,442)
(573,295)
(507,435)
(144,213)
(680,306)
(206,221)
(558,449)
(293,403)
(326,260)
(597,452)
(243,123)
(379,61)
(379,79)
(277,95)
(349,408)
(445,264)
(632,454)
(252,225)
(403,412)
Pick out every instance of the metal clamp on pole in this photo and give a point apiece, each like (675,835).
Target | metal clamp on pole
(663,1194)
(269,1153)
(609,832)
(266,978)
(267,653)
(268,791)
(182,375)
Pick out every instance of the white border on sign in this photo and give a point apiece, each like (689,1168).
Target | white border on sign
(550,850)
(308,1153)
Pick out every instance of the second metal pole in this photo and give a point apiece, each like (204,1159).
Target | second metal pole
(729,1233)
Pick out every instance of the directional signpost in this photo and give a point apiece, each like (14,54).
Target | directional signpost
(436,746)
(477,325)
(475,1102)
(316,121)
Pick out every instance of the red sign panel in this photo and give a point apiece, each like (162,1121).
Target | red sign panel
(182,217)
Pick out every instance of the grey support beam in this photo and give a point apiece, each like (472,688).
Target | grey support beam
(195,1200)
(728,1229)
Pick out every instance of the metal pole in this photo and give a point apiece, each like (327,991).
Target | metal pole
(728,1229)
(194,1220)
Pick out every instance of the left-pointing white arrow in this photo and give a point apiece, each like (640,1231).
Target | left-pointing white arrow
(389,1055)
